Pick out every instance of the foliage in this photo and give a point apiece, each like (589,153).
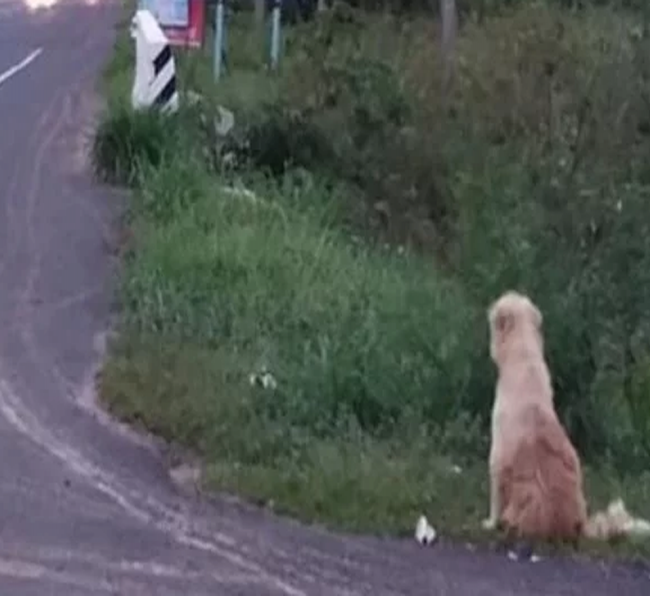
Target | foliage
(384,219)
(123,142)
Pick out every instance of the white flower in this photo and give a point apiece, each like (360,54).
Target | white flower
(268,381)
(225,122)
(229,159)
(193,98)
(241,192)
(264,379)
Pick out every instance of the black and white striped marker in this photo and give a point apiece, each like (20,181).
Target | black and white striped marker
(155,70)
(163,87)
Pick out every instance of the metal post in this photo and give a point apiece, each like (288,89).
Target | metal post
(218,39)
(275,34)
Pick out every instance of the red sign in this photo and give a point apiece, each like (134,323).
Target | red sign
(192,35)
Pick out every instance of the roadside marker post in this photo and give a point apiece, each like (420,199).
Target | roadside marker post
(155,70)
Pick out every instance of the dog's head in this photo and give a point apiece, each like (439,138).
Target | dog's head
(513,316)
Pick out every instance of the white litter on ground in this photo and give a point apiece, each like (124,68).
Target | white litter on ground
(264,379)
(424,532)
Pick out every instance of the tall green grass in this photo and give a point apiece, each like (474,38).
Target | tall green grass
(376,342)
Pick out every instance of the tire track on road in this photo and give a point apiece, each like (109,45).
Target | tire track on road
(145,509)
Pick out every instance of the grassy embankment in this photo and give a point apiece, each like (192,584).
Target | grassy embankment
(386,219)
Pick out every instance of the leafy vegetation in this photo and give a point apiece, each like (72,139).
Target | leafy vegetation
(304,303)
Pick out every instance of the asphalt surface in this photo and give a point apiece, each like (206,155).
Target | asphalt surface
(87,507)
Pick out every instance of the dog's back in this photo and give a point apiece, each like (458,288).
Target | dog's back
(538,470)
(542,484)
(535,474)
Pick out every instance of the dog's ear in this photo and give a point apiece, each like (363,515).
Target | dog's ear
(538,319)
(502,319)
(503,322)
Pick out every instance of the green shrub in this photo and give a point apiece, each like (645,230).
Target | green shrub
(325,316)
(126,141)
(516,185)
(554,205)
(480,9)
(582,260)
(342,107)
(531,174)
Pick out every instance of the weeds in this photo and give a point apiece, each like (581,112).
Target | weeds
(357,272)
(124,144)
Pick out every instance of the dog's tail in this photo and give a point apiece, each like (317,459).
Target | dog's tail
(614,522)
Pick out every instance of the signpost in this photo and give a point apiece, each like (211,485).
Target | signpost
(183,21)
(219,45)
(172,13)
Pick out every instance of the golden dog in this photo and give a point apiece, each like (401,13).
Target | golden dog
(536,489)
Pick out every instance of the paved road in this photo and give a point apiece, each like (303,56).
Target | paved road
(85,507)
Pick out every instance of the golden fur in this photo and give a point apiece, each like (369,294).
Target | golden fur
(536,488)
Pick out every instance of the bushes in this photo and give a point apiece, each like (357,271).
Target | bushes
(533,175)
(372,336)
(579,273)
(123,143)
(546,211)
(521,184)
(525,180)
(481,9)
(343,108)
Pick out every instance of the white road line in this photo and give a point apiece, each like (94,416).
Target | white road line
(7,74)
